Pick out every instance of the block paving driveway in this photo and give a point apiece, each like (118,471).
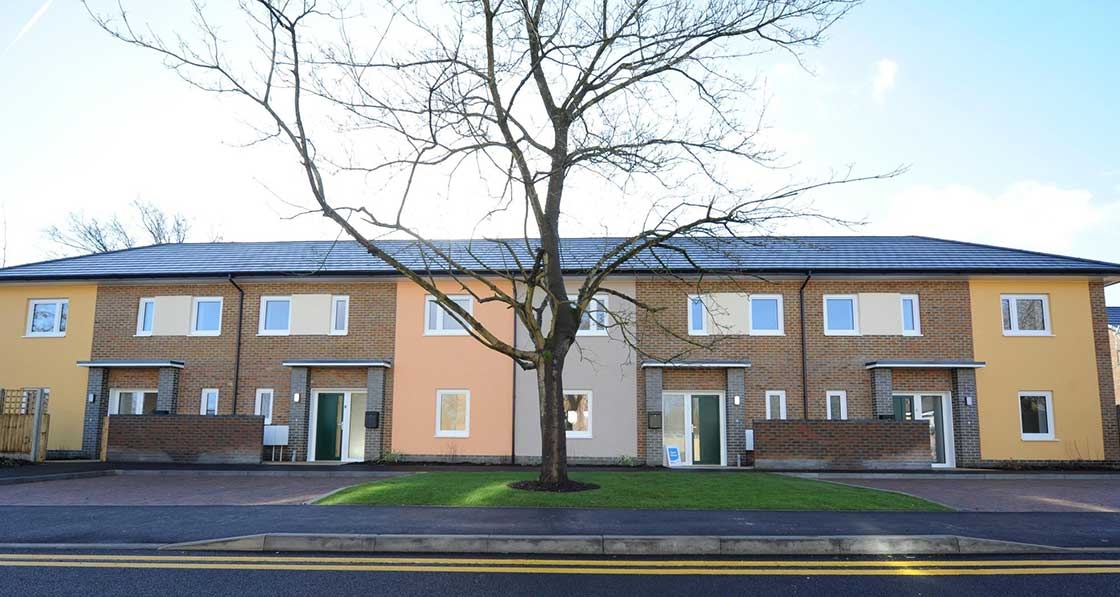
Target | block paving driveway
(1008,495)
(181,490)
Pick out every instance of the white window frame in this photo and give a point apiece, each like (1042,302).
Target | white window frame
(1037,437)
(217,401)
(257,406)
(917,331)
(590,416)
(140,331)
(442,314)
(703,330)
(596,328)
(1014,314)
(843,394)
(781,331)
(782,404)
(335,300)
(115,398)
(261,331)
(466,420)
(828,331)
(55,332)
(194,315)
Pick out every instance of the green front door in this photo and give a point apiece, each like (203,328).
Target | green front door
(705,434)
(328,426)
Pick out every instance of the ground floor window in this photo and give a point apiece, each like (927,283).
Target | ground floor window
(453,413)
(132,402)
(577,407)
(837,405)
(775,404)
(1036,415)
(264,405)
(209,404)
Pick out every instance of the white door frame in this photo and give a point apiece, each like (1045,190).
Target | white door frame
(688,432)
(314,417)
(947,422)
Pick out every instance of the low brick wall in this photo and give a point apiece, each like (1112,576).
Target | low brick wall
(185,438)
(854,445)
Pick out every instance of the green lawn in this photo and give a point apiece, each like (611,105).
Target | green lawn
(660,489)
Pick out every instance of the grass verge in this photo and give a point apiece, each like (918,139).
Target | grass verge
(660,489)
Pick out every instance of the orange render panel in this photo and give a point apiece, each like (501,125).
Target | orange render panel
(425,364)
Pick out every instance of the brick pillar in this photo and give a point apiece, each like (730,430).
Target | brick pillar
(375,401)
(736,416)
(654,449)
(167,394)
(1110,426)
(96,411)
(882,388)
(297,417)
(966,419)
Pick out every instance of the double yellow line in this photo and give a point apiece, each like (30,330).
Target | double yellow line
(571,566)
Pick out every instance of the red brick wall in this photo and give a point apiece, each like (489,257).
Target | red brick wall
(185,438)
(870,444)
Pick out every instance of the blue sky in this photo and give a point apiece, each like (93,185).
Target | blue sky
(1004,112)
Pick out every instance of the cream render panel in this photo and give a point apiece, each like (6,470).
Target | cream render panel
(880,314)
(172,316)
(311,315)
(728,312)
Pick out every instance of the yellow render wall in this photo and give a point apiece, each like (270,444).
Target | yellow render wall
(49,362)
(1063,363)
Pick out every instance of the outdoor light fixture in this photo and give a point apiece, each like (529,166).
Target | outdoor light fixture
(736,401)
(91,397)
(968,400)
(295,397)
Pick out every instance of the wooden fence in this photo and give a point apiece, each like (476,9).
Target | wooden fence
(24,423)
(17,433)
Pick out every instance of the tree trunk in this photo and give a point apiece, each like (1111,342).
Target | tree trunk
(554,443)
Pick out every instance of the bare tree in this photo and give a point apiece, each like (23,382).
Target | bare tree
(88,234)
(647,99)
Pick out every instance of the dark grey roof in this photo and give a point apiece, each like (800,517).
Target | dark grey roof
(1113,315)
(762,255)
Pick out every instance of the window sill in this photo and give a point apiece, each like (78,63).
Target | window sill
(695,333)
(47,335)
(905,335)
(841,333)
(1039,439)
(602,334)
(1027,334)
(578,437)
(205,334)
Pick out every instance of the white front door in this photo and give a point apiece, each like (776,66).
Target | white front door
(694,424)
(351,425)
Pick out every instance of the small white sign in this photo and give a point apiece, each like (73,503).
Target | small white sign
(673,455)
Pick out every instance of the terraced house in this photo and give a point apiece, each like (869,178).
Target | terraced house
(817,352)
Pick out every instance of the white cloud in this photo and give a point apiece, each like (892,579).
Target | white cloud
(886,71)
(1026,215)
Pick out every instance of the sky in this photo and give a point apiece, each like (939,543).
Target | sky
(1003,113)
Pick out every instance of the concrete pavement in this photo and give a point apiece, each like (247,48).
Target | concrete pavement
(1028,494)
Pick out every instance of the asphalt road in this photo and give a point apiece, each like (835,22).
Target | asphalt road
(150,573)
(172,524)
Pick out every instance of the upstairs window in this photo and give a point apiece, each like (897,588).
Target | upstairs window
(439,322)
(697,316)
(1025,314)
(841,315)
(47,317)
(1036,416)
(911,319)
(276,316)
(145,317)
(206,316)
(340,315)
(766,315)
(594,320)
